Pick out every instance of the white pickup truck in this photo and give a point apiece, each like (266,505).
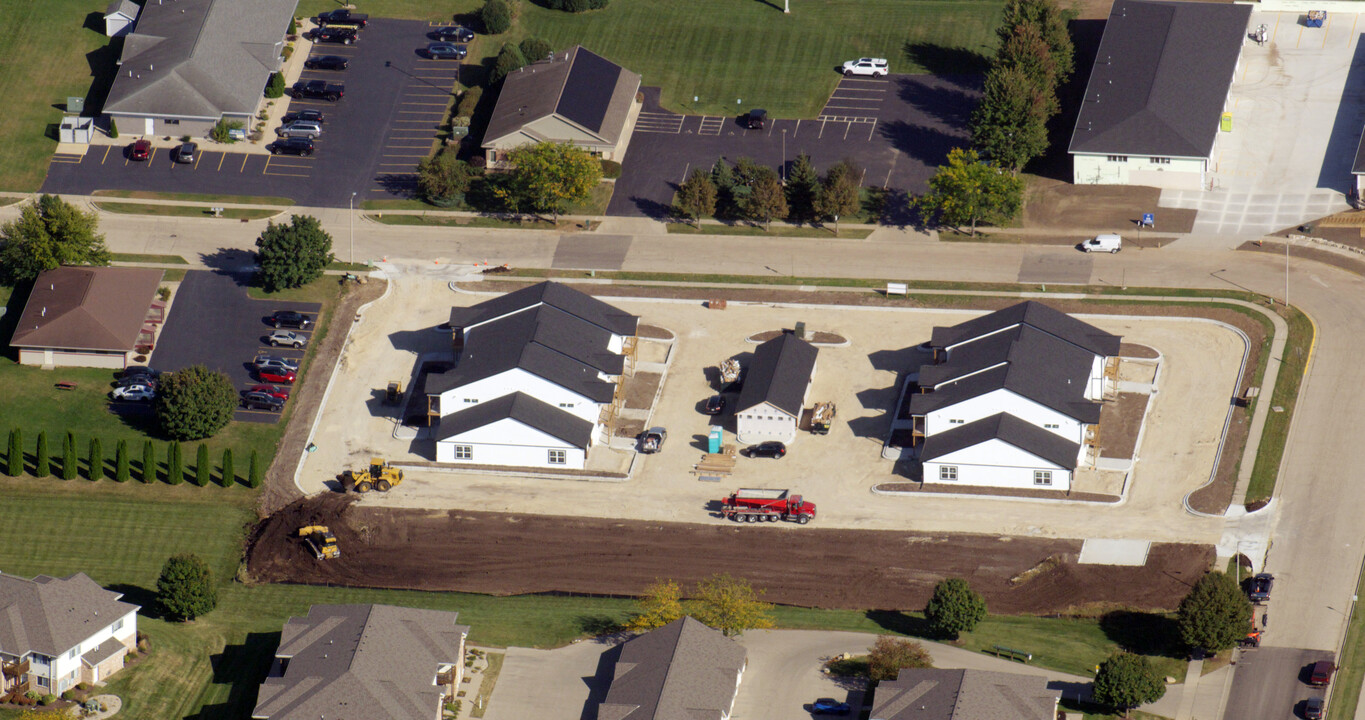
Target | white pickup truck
(876,67)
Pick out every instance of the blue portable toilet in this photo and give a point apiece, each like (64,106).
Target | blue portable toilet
(713,439)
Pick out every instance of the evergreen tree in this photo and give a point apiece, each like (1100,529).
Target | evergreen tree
(14,459)
(185,589)
(253,475)
(41,466)
(70,467)
(203,471)
(1126,681)
(175,473)
(148,474)
(121,472)
(954,608)
(229,473)
(96,458)
(1215,614)
(803,183)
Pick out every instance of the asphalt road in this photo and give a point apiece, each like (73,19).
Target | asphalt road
(372,139)
(214,323)
(1272,683)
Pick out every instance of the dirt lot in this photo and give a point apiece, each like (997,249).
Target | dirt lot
(508,554)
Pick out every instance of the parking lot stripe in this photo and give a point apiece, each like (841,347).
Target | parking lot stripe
(1327,28)
(151,157)
(221,158)
(244,157)
(107,148)
(277,174)
(870,130)
(197,158)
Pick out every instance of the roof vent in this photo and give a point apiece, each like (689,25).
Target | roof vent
(44,311)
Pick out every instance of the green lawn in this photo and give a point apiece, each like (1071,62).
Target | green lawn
(149,258)
(778,230)
(195,197)
(1295,363)
(124,208)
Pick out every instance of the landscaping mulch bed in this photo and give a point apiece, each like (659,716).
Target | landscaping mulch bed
(654,332)
(1120,423)
(641,389)
(1141,352)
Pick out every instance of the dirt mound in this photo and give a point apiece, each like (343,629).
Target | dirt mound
(508,554)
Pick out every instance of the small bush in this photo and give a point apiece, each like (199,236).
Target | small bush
(293,27)
(121,471)
(478,161)
(148,473)
(69,464)
(48,699)
(228,478)
(163,292)
(175,473)
(276,87)
(222,131)
(287,52)
(509,60)
(496,16)
(41,467)
(96,459)
(469,101)
(113,128)
(253,476)
(459,121)
(203,469)
(611,169)
(534,49)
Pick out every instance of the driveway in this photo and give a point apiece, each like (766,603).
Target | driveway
(372,140)
(898,129)
(214,323)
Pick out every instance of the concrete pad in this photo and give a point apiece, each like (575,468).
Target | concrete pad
(582,251)
(550,684)
(1069,266)
(1098,551)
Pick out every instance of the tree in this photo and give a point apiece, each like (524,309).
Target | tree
(1051,22)
(14,458)
(1125,681)
(253,473)
(228,478)
(730,605)
(533,49)
(276,87)
(222,130)
(95,459)
(660,605)
(1009,126)
(148,474)
(195,403)
(839,193)
(293,255)
(70,467)
(723,177)
(1215,614)
(48,234)
(889,654)
(41,460)
(697,196)
(121,471)
(954,608)
(551,175)
(175,465)
(203,469)
(113,129)
(509,60)
(803,184)
(766,199)
(496,17)
(969,190)
(444,179)
(185,589)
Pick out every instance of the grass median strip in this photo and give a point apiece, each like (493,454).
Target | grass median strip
(480,221)
(128,208)
(194,197)
(149,258)
(1293,365)
(1350,666)
(778,231)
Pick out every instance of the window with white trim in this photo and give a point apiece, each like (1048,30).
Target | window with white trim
(1042,477)
(117,626)
(1118,158)
(566,405)
(470,401)
(464,452)
(559,457)
(947,473)
(1159,161)
(1052,426)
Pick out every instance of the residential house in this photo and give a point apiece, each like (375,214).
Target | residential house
(56,633)
(120,17)
(940,694)
(775,388)
(89,317)
(681,671)
(574,96)
(364,662)
(190,63)
(1157,93)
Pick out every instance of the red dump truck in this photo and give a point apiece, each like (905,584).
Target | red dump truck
(762,504)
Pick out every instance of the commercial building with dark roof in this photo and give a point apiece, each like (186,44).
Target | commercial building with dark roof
(574,96)
(189,63)
(56,633)
(776,385)
(1157,92)
(934,694)
(376,662)
(681,671)
(89,317)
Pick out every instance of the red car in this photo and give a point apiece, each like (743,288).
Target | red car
(272,390)
(141,150)
(276,376)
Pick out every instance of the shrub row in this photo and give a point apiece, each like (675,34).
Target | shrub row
(148,471)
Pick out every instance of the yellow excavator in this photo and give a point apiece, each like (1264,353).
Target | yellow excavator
(378,476)
(321,541)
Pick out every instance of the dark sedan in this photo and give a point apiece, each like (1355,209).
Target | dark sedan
(308,115)
(291,146)
(289,318)
(715,405)
(447,51)
(453,33)
(327,62)
(771,449)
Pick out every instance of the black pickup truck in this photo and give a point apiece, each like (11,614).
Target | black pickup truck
(342,17)
(319,89)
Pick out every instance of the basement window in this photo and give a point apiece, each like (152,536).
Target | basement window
(1042,477)
(947,473)
(558,457)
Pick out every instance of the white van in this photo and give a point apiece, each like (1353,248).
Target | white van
(1103,243)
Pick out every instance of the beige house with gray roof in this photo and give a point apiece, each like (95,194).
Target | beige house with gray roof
(364,662)
(681,671)
(575,96)
(932,694)
(189,63)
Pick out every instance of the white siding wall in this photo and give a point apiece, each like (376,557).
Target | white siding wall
(509,442)
(1180,173)
(59,358)
(764,422)
(66,670)
(453,401)
(1002,400)
(996,464)
(1095,389)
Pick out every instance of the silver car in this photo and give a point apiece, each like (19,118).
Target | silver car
(286,337)
(300,128)
(269,362)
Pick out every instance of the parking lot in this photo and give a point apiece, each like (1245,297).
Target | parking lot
(214,323)
(371,143)
(898,129)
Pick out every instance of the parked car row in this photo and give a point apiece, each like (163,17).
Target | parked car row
(275,374)
(141,149)
(137,383)
(451,43)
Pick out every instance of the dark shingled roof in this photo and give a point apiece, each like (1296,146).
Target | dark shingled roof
(1009,429)
(933,694)
(376,662)
(50,615)
(87,308)
(1054,382)
(563,297)
(1037,315)
(1160,79)
(1358,168)
(525,409)
(681,671)
(577,85)
(1033,350)
(779,374)
(588,89)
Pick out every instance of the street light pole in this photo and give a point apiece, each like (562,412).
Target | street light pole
(351,217)
(1286,273)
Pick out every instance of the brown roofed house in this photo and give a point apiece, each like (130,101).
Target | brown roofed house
(88,316)
(573,96)
(364,662)
(935,694)
(681,671)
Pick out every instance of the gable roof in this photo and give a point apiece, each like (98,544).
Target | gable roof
(87,308)
(681,671)
(1034,314)
(553,421)
(556,295)
(1161,78)
(578,86)
(1049,381)
(500,348)
(200,58)
(377,662)
(126,8)
(1008,429)
(779,374)
(52,615)
(933,694)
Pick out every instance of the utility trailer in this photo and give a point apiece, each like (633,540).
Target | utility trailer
(766,505)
